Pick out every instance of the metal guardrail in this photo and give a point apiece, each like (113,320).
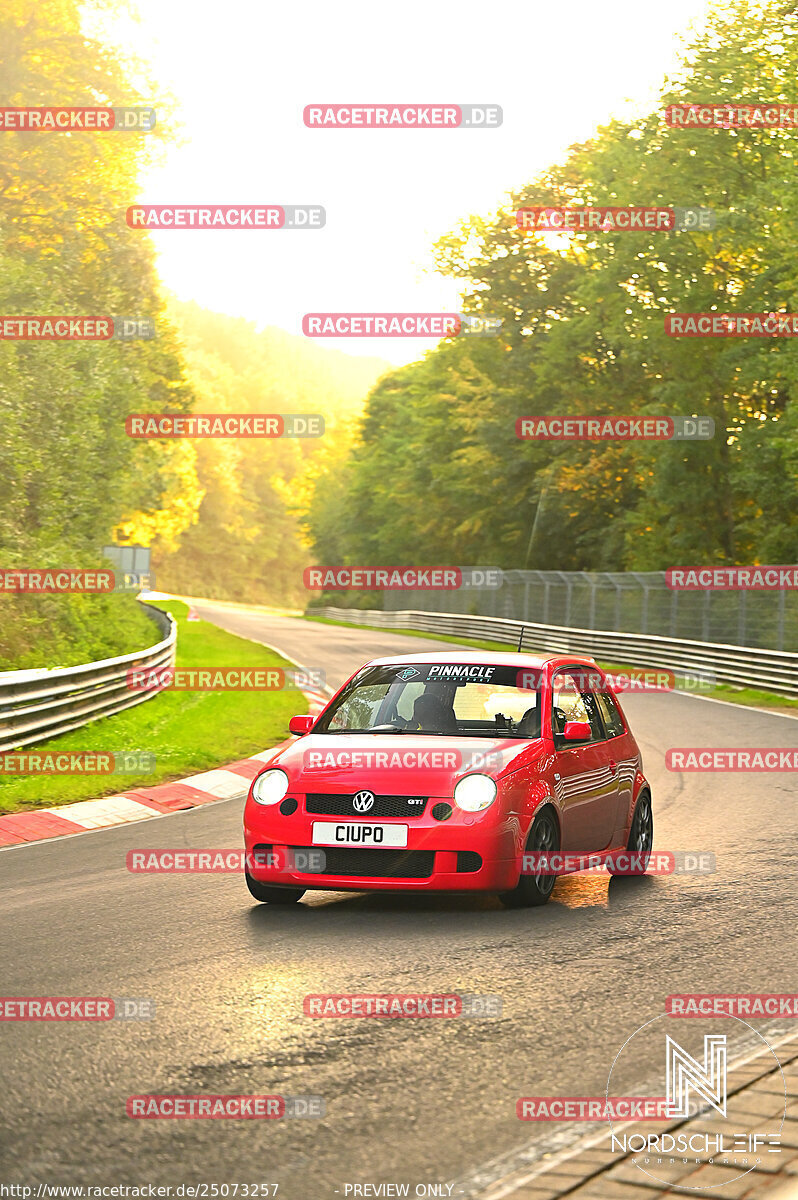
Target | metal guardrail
(38,704)
(632,601)
(747,666)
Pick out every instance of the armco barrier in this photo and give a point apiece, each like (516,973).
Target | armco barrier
(627,601)
(39,704)
(747,666)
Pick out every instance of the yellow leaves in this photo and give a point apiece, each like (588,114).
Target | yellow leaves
(55,185)
(58,14)
(182,496)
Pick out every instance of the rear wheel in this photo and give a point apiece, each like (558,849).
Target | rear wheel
(273,895)
(641,837)
(534,889)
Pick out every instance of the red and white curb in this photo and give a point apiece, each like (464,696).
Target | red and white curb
(142,802)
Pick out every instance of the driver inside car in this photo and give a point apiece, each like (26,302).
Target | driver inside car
(529,725)
(431,714)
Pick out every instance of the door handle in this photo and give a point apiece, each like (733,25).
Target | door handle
(613,768)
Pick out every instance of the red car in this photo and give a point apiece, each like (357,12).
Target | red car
(441,772)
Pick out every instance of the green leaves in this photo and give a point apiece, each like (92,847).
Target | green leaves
(439,468)
(70,473)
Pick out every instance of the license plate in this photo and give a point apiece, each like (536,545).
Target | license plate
(358,833)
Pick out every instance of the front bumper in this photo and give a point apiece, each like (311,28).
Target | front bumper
(467,853)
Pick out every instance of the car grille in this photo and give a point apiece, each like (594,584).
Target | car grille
(333,805)
(378,864)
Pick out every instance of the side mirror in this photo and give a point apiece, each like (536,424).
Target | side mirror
(302,725)
(575,731)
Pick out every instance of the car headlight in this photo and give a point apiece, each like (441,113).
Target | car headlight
(270,787)
(475,792)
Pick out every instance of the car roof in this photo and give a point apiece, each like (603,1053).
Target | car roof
(487,657)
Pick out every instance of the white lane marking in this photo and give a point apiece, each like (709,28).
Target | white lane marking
(97,814)
(219,782)
(153,814)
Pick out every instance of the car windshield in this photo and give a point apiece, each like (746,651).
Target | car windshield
(458,699)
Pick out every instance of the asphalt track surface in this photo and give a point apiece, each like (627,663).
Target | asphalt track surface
(415,1101)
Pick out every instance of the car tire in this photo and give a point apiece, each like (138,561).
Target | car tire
(534,890)
(267,894)
(641,835)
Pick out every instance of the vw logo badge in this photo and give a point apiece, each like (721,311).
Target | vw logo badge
(363,801)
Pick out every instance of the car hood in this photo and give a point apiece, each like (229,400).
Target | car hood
(392,764)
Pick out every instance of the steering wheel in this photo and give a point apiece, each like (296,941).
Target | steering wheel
(394,722)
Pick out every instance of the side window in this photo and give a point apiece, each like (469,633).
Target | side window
(569,703)
(359,709)
(611,714)
(594,717)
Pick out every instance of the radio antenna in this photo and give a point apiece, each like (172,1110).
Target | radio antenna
(520,639)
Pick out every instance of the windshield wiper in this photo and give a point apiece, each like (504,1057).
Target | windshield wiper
(373,729)
(469,733)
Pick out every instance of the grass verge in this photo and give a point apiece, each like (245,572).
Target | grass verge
(187,732)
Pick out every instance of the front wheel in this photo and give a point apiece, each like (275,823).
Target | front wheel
(535,889)
(641,837)
(273,895)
